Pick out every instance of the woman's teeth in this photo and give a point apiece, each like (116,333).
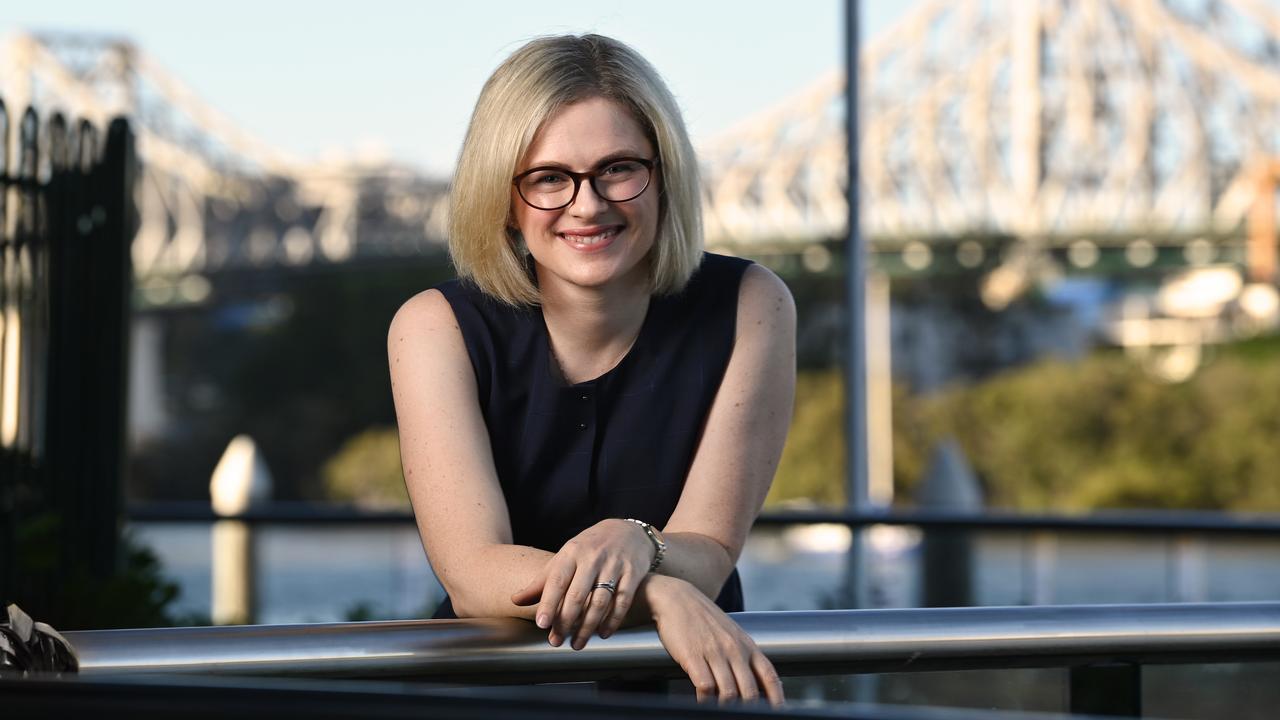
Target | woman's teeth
(587,240)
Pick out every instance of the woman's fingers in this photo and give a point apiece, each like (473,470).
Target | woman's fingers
(748,690)
(599,604)
(560,574)
(720,659)
(622,602)
(530,593)
(726,684)
(704,682)
(566,591)
(571,607)
(597,609)
(767,678)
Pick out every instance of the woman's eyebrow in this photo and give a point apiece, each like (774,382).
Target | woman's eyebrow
(616,155)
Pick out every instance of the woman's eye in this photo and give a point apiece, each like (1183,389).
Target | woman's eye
(549,179)
(621,168)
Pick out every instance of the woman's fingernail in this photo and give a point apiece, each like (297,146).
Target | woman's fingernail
(544,622)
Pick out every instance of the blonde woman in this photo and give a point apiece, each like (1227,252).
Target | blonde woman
(591,416)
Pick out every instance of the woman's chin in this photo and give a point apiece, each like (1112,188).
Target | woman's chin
(609,266)
(597,275)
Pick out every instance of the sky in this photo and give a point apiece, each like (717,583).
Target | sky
(398,78)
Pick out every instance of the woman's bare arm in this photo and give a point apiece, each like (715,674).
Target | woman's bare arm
(738,454)
(448,464)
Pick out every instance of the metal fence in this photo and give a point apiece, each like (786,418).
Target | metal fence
(1104,647)
(66,222)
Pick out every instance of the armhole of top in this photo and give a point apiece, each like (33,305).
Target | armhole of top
(470,323)
(731,271)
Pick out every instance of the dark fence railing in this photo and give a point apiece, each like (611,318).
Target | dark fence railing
(66,222)
(1155,522)
(949,561)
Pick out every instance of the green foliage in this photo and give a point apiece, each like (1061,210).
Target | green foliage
(70,598)
(366,471)
(362,611)
(137,596)
(1101,434)
(812,469)
(1058,436)
(813,460)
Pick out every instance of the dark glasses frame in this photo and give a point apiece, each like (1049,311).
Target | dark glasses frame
(590,176)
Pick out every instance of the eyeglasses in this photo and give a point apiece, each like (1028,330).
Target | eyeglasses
(552,188)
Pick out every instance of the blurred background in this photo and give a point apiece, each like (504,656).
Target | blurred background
(1071,290)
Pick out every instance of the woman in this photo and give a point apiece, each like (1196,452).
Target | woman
(591,417)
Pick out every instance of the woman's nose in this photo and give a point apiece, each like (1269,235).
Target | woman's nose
(587,202)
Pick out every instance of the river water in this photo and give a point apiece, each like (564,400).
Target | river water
(327,573)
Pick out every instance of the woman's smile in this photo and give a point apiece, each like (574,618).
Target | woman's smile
(593,238)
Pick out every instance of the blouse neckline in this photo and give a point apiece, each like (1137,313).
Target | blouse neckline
(553,365)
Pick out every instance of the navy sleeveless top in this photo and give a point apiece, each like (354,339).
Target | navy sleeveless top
(621,445)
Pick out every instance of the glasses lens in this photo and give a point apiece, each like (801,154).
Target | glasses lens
(622,180)
(546,189)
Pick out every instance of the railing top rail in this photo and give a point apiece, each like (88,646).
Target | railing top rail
(1153,522)
(503,651)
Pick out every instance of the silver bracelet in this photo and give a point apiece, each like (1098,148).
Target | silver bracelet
(655,537)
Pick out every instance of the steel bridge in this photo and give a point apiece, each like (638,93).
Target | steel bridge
(212,198)
(1011,134)
(1073,124)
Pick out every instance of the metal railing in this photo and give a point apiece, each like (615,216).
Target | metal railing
(1177,552)
(1154,522)
(1104,646)
(66,223)
(799,643)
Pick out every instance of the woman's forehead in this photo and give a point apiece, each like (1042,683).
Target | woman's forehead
(580,134)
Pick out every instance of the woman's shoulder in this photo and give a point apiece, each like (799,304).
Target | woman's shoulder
(457,319)
(716,278)
(462,304)
(738,288)
(727,277)
(459,291)
(454,305)
(425,312)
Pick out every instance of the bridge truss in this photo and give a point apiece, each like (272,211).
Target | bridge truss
(1075,125)
(1143,128)
(213,199)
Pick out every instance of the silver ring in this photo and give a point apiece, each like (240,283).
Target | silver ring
(610,585)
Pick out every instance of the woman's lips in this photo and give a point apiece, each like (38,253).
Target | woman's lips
(590,239)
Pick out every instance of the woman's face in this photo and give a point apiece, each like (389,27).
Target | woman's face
(592,242)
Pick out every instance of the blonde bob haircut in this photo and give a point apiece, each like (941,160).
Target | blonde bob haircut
(529,87)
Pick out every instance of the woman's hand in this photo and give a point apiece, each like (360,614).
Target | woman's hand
(612,550)
(720,659)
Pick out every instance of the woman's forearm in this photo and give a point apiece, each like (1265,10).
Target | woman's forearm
(698,560)
(493,573)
